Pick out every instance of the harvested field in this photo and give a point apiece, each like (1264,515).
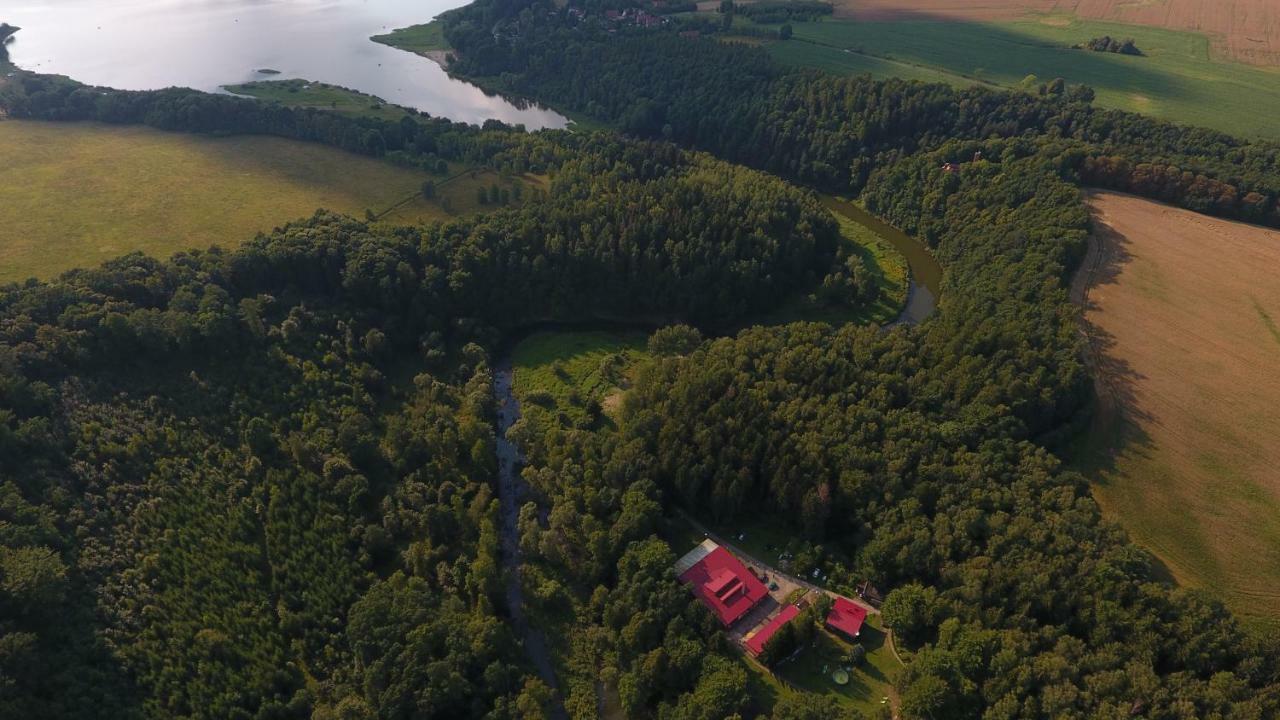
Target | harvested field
(1245,30)
(1182,314)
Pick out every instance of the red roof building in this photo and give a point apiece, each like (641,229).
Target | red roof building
(724,584)
(755,643)
(846,616)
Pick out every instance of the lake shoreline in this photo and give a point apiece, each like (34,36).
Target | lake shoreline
(208,48)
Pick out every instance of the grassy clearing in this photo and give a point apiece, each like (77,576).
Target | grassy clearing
(92,192)
(1177,80)
(567,374)
(457,195)
(883,263)
(1184,453)
(323,96)
(420,39)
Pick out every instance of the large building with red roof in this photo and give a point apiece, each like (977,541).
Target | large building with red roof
(721,581)
(755,644)
(846,616)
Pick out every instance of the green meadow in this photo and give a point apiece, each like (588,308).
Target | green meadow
(1177,79)
(419,39)
(322,96)
(92,192)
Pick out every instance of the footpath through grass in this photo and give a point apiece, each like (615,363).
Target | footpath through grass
(1177,79)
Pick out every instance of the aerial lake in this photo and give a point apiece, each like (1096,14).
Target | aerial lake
(206,44)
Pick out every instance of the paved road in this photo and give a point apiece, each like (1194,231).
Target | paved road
(511,491)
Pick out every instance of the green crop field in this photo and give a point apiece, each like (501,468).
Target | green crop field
(1177,79)
(92,192)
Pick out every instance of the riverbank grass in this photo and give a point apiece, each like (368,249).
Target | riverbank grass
(321,96)
(420,39)
(884,265)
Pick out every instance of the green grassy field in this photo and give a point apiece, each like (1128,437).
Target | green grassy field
(1176,80)
(419,39)
(869,683)
(304,93)
(568,371)
(92,192)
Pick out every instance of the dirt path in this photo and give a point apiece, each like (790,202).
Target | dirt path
(511,490)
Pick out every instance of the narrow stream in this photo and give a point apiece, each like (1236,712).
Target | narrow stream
(511,493)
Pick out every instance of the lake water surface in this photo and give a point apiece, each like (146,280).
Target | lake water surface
(205,44)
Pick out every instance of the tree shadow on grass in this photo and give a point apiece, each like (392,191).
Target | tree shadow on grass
(997,52)
(1117,427)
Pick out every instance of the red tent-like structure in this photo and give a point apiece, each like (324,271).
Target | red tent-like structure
(846,616)
(725,585)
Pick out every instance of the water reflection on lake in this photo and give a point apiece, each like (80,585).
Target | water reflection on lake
(205,44)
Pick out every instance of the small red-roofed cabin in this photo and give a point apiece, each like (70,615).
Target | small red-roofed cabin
(755,643)
(846,617)
(722,583)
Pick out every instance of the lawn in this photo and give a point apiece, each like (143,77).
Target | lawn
(305,93)
(92,192)
(565,372)
(883,263)
(870,681)
(1178,79)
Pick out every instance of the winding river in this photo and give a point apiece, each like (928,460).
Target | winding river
(206,44)
(926,273)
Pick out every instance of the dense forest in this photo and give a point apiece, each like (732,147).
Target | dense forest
(921,457)
(925,456)
(732,100)
(260,484)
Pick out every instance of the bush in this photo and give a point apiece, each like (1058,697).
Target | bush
(674,340)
